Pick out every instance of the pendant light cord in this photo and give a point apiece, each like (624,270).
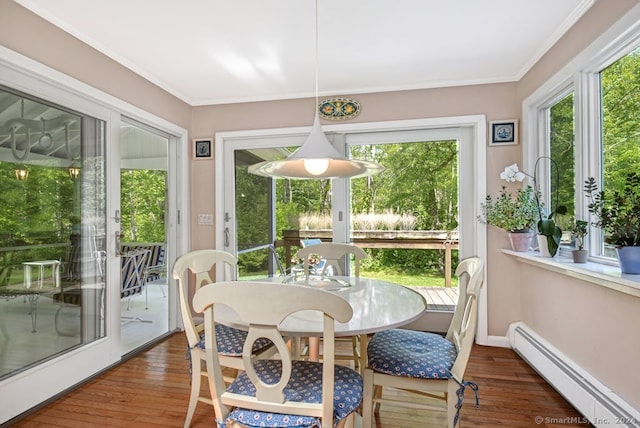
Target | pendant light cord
(316,105)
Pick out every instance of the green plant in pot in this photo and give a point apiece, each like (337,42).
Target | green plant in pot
(546,224)
(618,215)
(515,213)
(579,230)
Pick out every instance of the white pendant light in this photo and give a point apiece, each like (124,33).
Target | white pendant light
(317,157)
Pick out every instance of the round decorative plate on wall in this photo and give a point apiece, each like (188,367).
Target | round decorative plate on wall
(338,108)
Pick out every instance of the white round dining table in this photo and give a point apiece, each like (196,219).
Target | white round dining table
(377,305)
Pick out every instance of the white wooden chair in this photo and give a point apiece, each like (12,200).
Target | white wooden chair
(426,363)
(283,392)
(230,340)
(333,256)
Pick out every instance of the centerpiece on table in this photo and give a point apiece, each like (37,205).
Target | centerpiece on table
(618,215)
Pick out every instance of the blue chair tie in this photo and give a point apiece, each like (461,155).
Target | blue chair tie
(460,394)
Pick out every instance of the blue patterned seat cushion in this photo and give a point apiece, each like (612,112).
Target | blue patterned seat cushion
(305,385)
(231,340)
(411,353)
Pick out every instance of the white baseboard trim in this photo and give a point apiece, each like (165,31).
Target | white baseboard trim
(598,403)
(498,341)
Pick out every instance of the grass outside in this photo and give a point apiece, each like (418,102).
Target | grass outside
(409,279)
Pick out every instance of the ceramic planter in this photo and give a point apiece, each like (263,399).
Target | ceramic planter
(542,246)
(629,258)
(520,241)
(580,256)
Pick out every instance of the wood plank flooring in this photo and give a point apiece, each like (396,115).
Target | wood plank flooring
(152,390)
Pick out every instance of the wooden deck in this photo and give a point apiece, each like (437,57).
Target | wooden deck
(439,298)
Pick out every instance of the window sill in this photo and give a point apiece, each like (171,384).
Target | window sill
(596,273)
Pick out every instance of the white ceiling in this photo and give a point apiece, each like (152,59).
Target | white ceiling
(227,51)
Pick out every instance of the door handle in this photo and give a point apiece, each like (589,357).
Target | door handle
(226,236)
(118,246)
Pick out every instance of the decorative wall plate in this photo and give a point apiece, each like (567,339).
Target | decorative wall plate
(338,108)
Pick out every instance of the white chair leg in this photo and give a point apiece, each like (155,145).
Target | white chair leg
(196,376)
(452,400)
(367,399)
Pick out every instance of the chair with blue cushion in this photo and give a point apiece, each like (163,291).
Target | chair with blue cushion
(426,363)
(230,341)
(279,392)
(334,256)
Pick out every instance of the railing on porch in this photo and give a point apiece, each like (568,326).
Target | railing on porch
(403,239)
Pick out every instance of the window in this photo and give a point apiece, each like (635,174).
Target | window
(620,99)
(586,118)
(562,151)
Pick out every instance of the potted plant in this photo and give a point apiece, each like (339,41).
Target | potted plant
(516,213)
(618,215)
(549,233)
(579,230)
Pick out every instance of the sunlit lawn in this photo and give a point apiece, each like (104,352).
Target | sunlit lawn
(421,279)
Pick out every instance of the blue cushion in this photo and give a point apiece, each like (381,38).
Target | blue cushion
(411,353)
(231,340)
(305,385)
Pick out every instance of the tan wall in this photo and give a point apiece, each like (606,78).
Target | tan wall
(28,34)
(495,101)
(596,21)
(592,325)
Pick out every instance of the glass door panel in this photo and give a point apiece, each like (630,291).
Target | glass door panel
(144,313)
(276,211)
(407,216)
(52,224)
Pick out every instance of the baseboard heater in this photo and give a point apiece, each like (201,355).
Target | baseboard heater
(598,403)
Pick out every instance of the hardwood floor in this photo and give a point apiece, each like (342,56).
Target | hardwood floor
(152,390)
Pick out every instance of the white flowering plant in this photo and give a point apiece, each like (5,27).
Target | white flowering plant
(546,224)
(513,212)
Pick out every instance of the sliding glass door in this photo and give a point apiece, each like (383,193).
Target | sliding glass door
(428,184)
(52,223)
(62,149)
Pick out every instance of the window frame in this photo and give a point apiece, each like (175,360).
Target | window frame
(582,76)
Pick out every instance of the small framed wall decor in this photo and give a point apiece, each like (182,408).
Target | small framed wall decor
(503,132)
(203,148)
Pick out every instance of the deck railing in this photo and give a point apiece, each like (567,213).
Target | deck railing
(403,239)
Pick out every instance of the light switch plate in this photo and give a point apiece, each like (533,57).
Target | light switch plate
(205,219)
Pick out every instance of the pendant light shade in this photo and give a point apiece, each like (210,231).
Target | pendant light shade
(317,158)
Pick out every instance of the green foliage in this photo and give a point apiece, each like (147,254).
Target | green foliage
(618,211)
(562,142)
(579,230)
(143,205)
(511,212)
